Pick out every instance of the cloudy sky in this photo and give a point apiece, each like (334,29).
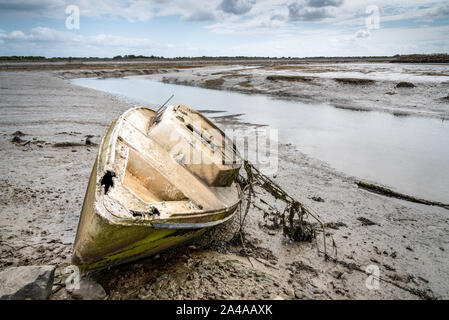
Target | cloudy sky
(297,28)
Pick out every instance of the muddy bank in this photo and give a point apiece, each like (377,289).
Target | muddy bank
(42,188)
(364,87)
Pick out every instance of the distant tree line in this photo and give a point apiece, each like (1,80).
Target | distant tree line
(15,58)
(410,58)
(153,57)
(423,58)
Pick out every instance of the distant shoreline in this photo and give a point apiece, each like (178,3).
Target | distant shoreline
(411,58)
(150,64)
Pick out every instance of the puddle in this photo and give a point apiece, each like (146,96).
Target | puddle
(408,154)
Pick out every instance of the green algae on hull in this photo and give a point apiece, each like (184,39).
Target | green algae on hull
(158,240)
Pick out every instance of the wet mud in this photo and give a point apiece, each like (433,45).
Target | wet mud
(44,177)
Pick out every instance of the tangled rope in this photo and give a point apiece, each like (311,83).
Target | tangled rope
(294,216)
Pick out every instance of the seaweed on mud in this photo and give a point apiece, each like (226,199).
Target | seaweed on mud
(354,81)
(245,84)
(393,194)
(213,83)
(289,78)
(294,216)
(287,67)
(68,144)
(366,221)
(335,225)
(405,84)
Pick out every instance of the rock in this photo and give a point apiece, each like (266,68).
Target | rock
(17,139)
(299,294)
(26,282)
(89,290)
(313,289)
(162,277)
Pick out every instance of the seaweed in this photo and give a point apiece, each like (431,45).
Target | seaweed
(68,144)
(393,194)
(405,84)
(355,81)
(289,78)
(294,217)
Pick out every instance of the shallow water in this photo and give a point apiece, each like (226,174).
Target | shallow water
(409,154)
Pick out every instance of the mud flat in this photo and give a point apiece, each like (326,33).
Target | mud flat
(44,175)
(352,86)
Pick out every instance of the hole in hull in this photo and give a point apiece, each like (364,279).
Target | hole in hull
(107,181)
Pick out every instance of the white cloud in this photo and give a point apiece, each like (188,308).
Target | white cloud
(387,41)
(49,42)
(131,10)
(264,25)
(362,34)
(237,7)
(43,34)
(297,12)
(17,34)
(288,27)
(224,11)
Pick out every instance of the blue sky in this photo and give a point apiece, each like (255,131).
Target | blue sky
(171,28)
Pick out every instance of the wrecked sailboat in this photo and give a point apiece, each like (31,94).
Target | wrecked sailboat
(159,180)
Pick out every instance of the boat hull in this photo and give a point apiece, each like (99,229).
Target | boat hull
(103,240)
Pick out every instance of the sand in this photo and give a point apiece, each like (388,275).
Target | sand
(42,189)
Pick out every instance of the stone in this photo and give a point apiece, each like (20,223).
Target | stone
(26,282)
(299,294)
(89,290)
